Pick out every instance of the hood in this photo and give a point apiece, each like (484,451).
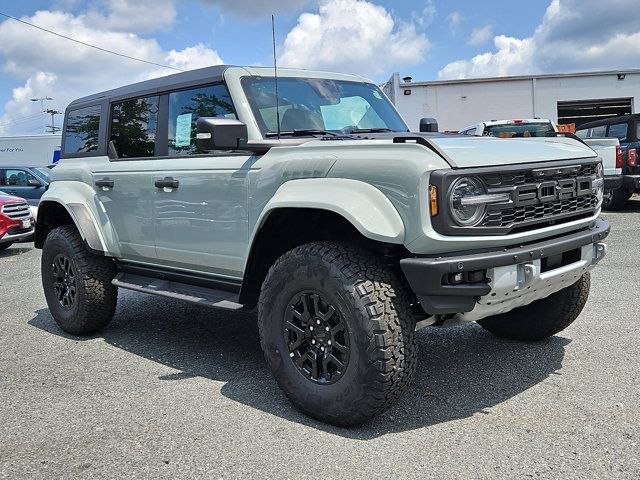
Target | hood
(464,152)
(4,198)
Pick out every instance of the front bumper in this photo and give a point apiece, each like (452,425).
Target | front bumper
(517,271)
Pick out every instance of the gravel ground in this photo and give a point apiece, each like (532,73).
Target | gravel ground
(171,390)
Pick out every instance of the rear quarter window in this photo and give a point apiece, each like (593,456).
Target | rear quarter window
(618,130)
(82,130)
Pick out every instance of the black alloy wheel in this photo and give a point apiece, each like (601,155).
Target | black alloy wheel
(64,280)
(317,338)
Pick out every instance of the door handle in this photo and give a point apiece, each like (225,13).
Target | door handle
(13,192)
(167,182)
(105,184)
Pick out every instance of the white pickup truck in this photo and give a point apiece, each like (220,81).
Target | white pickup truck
(607,148)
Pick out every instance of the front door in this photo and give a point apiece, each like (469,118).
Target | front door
(201,218)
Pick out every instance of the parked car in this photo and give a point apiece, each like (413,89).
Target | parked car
(608,149)
(16,222)
(319,206)
(530,127)
(626,128)
(25,182)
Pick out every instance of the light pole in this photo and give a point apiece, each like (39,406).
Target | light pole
(42,100)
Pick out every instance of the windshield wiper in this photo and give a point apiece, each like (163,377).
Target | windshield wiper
(301,133)
(371,130)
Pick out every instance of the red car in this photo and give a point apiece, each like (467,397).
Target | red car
(16,221)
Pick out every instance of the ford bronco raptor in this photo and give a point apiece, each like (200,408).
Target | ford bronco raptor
(313,202)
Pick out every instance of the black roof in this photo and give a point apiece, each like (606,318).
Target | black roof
(147,87)
(609,121)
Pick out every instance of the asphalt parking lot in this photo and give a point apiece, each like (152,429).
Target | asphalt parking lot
(171,390)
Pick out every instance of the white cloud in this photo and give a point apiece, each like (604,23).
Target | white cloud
(575,35)
(52,66)
(256,8)
(424,18)
(139,16)
(454,19)
(352,36)
(480,35)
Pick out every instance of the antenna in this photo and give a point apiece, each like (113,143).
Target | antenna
(275,72)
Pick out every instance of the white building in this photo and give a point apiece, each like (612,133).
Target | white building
(564,98)
(32,150)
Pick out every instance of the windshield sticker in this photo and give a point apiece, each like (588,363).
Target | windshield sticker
(183,130)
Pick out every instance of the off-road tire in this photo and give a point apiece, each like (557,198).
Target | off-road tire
(374,305)
(95,298)
(617,199)
(4,246)
(542,318)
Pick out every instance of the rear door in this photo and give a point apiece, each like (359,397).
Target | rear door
(201,218)
(124,184)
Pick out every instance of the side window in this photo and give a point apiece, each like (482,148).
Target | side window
(583,133)
(186,106)
(598,132)
(133,127)
(81,130)
(16,178)
(618,130)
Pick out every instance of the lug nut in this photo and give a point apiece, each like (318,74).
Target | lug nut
(329,342)
(327,329)
(313,342)
(291,355)
(322,349)
(318,322)
(311,328)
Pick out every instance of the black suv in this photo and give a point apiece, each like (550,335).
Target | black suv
(627,129)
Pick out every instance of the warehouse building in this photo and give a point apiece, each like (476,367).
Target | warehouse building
(567,99)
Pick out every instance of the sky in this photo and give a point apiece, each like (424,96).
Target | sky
(426,39)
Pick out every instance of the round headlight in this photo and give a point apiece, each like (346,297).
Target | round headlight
(598,185)
(463,209)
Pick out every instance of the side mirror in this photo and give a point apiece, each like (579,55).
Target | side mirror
(215,133)
(32,182)
(428,125)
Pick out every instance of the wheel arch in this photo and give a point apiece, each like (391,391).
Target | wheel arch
(314,210)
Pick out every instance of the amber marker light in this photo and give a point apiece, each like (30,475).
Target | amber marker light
(433,200)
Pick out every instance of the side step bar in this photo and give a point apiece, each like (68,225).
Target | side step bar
(190,293)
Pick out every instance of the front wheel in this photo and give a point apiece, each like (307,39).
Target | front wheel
(542,318)
(77,283)
(336,331)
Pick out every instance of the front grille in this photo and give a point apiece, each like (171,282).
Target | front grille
(542,211)
(16,211)
(537,195)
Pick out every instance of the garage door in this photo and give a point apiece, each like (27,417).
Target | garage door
(583,111)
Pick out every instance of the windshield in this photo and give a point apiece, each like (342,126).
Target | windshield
(515,130)
(43,173)
(321,105)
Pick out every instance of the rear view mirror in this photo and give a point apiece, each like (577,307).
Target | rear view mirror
(428,124)
(216,133)
(32,182)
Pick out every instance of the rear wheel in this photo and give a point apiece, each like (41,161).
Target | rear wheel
(616,199)
(77,283)
(4,246)
(542,318)
(336,331)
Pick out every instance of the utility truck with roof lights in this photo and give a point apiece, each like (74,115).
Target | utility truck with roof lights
(318,206)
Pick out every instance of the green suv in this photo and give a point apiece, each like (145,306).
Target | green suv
(306,195)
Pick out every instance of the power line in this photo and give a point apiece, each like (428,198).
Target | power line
(90,45)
